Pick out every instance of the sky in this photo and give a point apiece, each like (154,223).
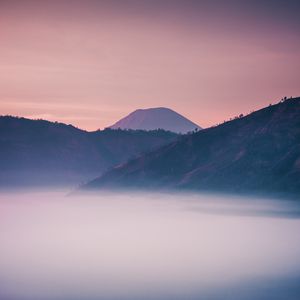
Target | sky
(90,63)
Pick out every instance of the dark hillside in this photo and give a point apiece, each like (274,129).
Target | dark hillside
(259,153)
(43,152)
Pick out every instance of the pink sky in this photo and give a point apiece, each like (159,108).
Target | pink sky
(92,62)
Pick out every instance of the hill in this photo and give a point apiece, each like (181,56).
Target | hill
(258,153)
(39,152)
(155,118)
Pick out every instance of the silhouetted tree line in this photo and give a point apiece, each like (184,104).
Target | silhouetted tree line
(242,115)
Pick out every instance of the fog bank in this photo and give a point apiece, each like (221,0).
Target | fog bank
(147,246)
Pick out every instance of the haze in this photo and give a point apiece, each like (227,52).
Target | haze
(147,246)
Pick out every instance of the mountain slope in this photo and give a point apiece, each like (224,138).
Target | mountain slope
(154,118)
(256,153)
(43,152)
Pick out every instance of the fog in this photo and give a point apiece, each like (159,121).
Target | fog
(147,246)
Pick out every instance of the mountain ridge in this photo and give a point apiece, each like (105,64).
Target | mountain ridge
(259,152)
(43,152)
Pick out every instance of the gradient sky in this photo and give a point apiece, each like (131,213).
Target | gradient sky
(90,62)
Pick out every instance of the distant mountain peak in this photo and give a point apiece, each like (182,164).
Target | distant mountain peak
(155,118)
